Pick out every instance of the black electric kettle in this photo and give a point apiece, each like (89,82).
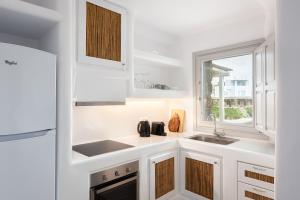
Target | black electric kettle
(143,128)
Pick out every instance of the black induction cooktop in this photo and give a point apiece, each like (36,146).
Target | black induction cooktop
(101,147)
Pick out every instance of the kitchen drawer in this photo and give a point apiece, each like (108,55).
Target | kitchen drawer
(256,175)
(249,192)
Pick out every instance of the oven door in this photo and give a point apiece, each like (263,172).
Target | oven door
(123,190)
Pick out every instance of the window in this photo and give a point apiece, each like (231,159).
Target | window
(242,82)
(224,87)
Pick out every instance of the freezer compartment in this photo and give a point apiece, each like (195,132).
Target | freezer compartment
(27,88)
(27,167)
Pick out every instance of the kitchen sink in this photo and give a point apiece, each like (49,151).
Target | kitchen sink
(214,139)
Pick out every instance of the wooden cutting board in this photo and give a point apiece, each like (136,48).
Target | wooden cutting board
(181,114)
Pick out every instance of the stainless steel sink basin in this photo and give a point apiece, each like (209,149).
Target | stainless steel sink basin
(214,139)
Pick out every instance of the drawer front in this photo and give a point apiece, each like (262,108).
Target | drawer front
(256,175)
(249,192)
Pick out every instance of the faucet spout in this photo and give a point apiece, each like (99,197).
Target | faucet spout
(218,134)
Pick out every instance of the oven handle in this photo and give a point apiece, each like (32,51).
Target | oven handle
(116,185)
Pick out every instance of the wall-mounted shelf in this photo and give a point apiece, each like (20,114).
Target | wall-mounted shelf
(157,93)
(26,19)
(156,59)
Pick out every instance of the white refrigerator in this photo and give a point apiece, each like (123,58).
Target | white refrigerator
(27,123)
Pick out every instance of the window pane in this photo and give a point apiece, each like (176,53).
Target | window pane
(228,90)
(210,94)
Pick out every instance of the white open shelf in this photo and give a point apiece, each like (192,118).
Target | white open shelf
(156,59)
(157,93)
(26,19)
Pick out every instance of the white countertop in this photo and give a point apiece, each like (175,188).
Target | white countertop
(150,145)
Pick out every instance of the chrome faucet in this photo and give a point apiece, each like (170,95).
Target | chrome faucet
(219,134)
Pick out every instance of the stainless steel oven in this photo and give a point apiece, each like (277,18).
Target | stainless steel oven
(119,183)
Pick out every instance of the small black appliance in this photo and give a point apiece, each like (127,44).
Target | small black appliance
(158,128)
(143,128)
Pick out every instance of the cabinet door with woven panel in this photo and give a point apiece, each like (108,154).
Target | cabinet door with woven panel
(101,33)
(163,175)
(201,176)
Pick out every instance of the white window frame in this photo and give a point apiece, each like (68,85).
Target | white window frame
(214,54)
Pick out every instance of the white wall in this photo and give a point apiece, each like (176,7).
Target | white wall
(106,122)
(149,38)
(288,137)
(269,7)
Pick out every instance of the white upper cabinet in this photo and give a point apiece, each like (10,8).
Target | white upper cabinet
(265,87)
(102,34)
(102,72)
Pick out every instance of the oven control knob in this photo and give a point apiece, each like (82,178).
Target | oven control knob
(117,173)
(128,170)
(104,177)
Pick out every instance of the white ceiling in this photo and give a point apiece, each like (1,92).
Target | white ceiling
(187,17)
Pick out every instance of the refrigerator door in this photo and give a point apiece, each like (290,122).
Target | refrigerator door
(27,168)
(27,88)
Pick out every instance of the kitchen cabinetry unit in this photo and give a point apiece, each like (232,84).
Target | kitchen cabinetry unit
(102,30)
(101,74)
(163,175)
(265,87)
(255,182)
(201,176)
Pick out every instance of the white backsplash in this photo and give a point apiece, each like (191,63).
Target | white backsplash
(106,122)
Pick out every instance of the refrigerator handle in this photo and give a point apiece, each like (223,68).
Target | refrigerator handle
(22,136)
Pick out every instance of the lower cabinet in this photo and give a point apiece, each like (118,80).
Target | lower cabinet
(163,175)
(255,182)
(200,176)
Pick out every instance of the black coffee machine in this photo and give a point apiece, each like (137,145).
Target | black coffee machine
(143,128)
(158,128)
